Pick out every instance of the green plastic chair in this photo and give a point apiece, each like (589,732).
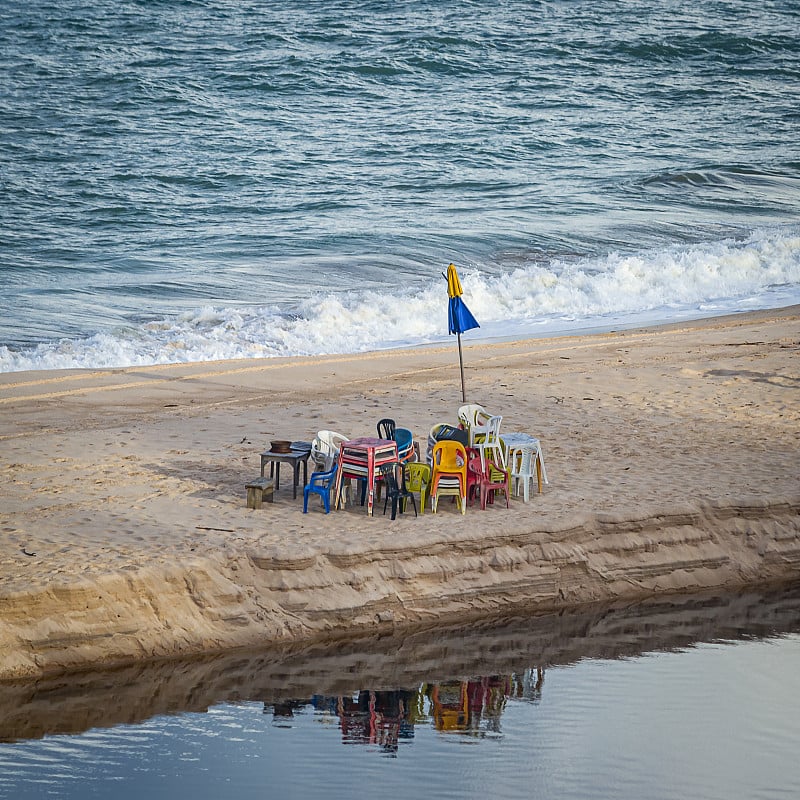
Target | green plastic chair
(418,479)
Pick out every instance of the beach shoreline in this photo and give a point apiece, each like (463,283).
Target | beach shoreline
(672,453)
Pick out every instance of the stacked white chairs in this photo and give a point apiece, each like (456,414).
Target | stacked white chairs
(472,414)
(486,440)
(325,449)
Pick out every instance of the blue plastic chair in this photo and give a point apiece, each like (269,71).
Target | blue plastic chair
(320,483)
(405,444)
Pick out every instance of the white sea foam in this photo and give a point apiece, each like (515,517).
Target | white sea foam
(762,271)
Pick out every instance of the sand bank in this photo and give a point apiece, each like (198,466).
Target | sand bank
(406,659)
(672,454)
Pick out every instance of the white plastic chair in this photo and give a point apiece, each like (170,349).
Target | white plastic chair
(325,449)
(526,463)
(472,414)
(486,439)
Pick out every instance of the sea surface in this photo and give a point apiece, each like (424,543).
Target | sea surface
(190,180)
(677,698)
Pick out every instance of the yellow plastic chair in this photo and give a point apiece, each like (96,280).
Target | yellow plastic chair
(449,473)
(418,479)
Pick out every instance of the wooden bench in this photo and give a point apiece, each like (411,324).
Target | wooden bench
(259,490)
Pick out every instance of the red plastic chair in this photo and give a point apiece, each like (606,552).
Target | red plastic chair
(486,479)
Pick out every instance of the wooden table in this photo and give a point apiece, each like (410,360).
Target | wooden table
(296,456)
(362,459)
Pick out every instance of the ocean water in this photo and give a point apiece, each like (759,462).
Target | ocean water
(188,180)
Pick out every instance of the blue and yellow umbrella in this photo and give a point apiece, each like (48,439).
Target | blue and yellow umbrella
(459,317)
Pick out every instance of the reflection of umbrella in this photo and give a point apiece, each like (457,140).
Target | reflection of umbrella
(459,317)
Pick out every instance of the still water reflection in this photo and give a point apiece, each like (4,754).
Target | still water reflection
(694,697)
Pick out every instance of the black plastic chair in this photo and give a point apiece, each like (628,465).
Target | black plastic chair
(396,491)
(386,429)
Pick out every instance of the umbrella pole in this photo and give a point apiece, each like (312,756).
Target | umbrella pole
(461,364)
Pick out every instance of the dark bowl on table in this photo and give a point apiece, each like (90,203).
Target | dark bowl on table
(281,446)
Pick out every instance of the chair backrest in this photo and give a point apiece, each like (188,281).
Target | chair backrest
(405,442)
(496,473)
(472,414)
(389,473)
(433,437)
(417,475)
(325,479)
(449,456)
(493,430)
(523,461)
(386,428)
(474,464)
(325,448)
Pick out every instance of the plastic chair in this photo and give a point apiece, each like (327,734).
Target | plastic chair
(525,465)
(418,479)
(442,431)
(325,449)
(405,444)
(473,414)
(320,483)
(486,440)
(487,480)
(449,473)
(396,490)
(386,428)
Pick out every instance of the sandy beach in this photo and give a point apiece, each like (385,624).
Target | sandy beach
(672,454)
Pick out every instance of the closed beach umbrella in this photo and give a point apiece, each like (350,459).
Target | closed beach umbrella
(459,317)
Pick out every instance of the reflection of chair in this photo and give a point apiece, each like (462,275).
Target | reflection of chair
(418,479)
(396,489)
(405,444)
(486,439)
(449,474)
(325,449)
(320,483)
(486,479)
(386,429)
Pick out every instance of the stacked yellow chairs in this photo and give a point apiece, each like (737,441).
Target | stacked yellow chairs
(449,473)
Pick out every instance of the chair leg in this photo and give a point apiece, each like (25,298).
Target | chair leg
(305,501)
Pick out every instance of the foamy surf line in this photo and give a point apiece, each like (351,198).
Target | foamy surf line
(665,285)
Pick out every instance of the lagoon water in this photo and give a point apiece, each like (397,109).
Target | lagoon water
(186,180)
(681,697)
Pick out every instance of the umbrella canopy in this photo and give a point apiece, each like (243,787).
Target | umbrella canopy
(459,317)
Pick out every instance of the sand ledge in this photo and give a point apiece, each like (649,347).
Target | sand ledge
(215,604)
(673,457)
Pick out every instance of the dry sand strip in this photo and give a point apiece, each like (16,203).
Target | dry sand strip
(672,454)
